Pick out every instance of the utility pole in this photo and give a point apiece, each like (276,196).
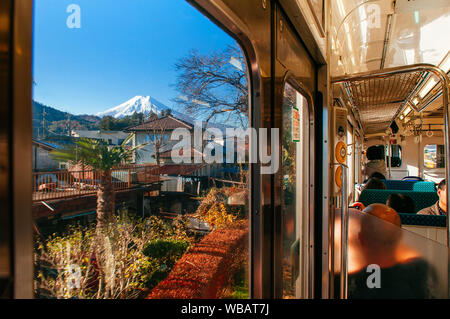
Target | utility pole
(43,121)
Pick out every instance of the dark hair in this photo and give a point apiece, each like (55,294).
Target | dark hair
(441,185)
(375,152)
(378,175)
(401,203)
(374,183)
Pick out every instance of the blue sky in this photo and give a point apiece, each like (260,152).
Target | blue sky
(124,48)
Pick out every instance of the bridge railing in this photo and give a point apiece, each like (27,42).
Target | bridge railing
(62,184)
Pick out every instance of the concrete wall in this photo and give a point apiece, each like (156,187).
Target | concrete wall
(42,160)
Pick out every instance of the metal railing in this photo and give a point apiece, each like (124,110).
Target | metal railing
(63,184)
(343,275)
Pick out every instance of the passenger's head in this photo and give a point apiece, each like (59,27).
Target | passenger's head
(401,203)
(375,153)
(380,229)
(442,193)
(374,183)
(377,175)
(383,212)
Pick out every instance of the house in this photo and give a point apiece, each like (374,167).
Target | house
(111,137)
(42,160)
(156,133)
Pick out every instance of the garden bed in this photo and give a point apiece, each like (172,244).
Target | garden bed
(208,267)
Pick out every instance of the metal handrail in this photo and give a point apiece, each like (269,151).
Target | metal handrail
(343,288)
(344,236)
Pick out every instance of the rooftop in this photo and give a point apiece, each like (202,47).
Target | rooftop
(164,123)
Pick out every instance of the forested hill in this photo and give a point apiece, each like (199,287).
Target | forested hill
(58,122)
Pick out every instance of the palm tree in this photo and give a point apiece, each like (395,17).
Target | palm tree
(101,157)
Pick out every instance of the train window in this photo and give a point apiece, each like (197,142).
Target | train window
(132,221)
(434,156)
(295,205)
(395,156)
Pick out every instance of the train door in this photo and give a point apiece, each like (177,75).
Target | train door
(295,192)
(294,187)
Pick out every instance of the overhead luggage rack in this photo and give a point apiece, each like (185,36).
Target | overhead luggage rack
(378,97)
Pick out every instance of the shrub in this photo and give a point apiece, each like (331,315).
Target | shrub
(67,265)
(165,248)
(214,208)
(164,253)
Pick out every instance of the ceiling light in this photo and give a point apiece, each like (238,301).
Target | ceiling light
(429,84)
(406,111)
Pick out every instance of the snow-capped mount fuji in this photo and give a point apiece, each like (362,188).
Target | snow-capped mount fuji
(146,105)
(138,104)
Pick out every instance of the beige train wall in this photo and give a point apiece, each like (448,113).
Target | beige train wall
(438,234)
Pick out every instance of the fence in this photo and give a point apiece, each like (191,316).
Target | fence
(61,184)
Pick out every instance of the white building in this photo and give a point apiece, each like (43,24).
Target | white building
(111,137)
(42,160)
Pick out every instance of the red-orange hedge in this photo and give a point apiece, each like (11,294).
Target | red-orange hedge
(204,269)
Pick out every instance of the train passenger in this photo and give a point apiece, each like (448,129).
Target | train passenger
(379,238)
(376,162)
(440,208)
(378,175)
(401,203)
(374,183)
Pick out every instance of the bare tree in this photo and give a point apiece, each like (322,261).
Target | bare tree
(214,86)
(157,137)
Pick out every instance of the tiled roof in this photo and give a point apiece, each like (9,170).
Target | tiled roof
(180,152)
(166,123)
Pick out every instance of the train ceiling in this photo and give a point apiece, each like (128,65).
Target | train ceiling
(368,35)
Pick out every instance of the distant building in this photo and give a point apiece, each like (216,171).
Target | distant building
(111,137)
(42,160)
